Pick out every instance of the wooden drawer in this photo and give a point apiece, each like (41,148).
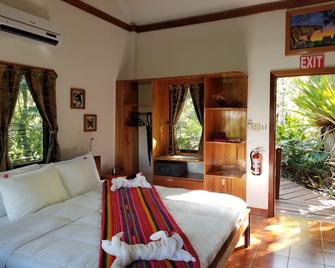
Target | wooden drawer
(174,182)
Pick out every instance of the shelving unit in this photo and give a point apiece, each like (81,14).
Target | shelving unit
(224,160)
(226,111)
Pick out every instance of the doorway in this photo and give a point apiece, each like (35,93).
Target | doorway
(285,205)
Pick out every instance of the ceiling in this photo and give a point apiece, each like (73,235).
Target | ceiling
(143,12)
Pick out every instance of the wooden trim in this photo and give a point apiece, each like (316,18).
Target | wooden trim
(100,14)
(308,10)
(26,66)
(272,126)
(228,14)
(258,211)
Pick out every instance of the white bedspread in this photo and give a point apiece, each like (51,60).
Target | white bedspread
(68,234)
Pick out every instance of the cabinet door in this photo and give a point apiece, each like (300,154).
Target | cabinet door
(233,186)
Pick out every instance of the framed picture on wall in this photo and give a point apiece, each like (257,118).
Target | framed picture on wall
(90,122)
(77,98)
(310,30)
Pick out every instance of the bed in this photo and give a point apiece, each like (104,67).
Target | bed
(67,234)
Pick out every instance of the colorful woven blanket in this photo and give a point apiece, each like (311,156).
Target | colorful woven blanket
(138,212)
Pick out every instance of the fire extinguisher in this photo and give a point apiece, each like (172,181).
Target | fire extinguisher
(256,161)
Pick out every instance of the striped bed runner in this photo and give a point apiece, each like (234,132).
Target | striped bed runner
(138,212)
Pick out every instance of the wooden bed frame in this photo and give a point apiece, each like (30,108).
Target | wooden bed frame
(242,228)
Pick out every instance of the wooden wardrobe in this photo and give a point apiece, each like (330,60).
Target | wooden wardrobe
(223,161)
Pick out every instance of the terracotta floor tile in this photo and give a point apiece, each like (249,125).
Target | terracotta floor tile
(329,258)
(328,232)
(287,241)
(278,248)
(313,244)
(329,246)
(236,264)
(307,253)
(297,263)
(269,260)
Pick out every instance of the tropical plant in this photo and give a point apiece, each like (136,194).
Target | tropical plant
(315,100)
(26,130)
(188,128)
(304,160)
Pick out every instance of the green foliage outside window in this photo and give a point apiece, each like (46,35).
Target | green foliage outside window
(26,130)
(188,128)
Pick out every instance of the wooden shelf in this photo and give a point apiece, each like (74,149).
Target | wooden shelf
(224,142)
(232,109)
(229,172)
(178,158)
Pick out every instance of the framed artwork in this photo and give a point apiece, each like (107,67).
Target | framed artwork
(77,98)
(90,122)
(310,30)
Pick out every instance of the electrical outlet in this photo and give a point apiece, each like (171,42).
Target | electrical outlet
(223,182)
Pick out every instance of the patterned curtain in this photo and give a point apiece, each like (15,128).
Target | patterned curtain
(197,94)
(42,85)
(177,99)
(10,78)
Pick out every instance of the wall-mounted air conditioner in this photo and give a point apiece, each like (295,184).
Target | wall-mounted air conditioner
(24,24)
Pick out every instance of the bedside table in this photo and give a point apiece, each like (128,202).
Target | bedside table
(110,176)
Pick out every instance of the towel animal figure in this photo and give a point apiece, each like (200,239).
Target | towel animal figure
(164,247)
(122,182)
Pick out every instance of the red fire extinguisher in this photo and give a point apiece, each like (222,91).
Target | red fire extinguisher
(256,162)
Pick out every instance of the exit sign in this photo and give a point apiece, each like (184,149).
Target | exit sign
(312,62)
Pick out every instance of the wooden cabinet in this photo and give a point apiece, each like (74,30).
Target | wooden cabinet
(226,133)
(225,130)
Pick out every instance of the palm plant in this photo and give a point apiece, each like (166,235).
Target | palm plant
(315,100)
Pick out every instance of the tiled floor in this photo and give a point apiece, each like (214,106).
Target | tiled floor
(287,241)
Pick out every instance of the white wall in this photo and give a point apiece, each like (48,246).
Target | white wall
(92,55)
(254,44)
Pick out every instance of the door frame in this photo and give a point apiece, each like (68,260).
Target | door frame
(272,126)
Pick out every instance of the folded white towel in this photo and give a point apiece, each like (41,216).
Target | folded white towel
(166,248)
(122,182)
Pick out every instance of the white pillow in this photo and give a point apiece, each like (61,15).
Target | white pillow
(8,174)
(26,193)
(78,175)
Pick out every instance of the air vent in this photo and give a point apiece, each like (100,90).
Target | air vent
(45,39)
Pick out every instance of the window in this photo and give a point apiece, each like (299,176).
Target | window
(26,130)
(188,128)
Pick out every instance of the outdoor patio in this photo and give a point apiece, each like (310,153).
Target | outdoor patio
(295,199)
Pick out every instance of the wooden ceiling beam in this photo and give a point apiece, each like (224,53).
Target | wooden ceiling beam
(100,14)
(228,14)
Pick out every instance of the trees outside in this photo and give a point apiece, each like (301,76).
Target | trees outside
(188,128)
(26,130)
(305,129)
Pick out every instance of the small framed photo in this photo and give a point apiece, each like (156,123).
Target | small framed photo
(310,30)
(77,98)
(90,122)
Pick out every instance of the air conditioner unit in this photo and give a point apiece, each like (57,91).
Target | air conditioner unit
(24,24)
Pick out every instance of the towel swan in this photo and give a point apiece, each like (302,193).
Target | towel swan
(122,182)
(163,247)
